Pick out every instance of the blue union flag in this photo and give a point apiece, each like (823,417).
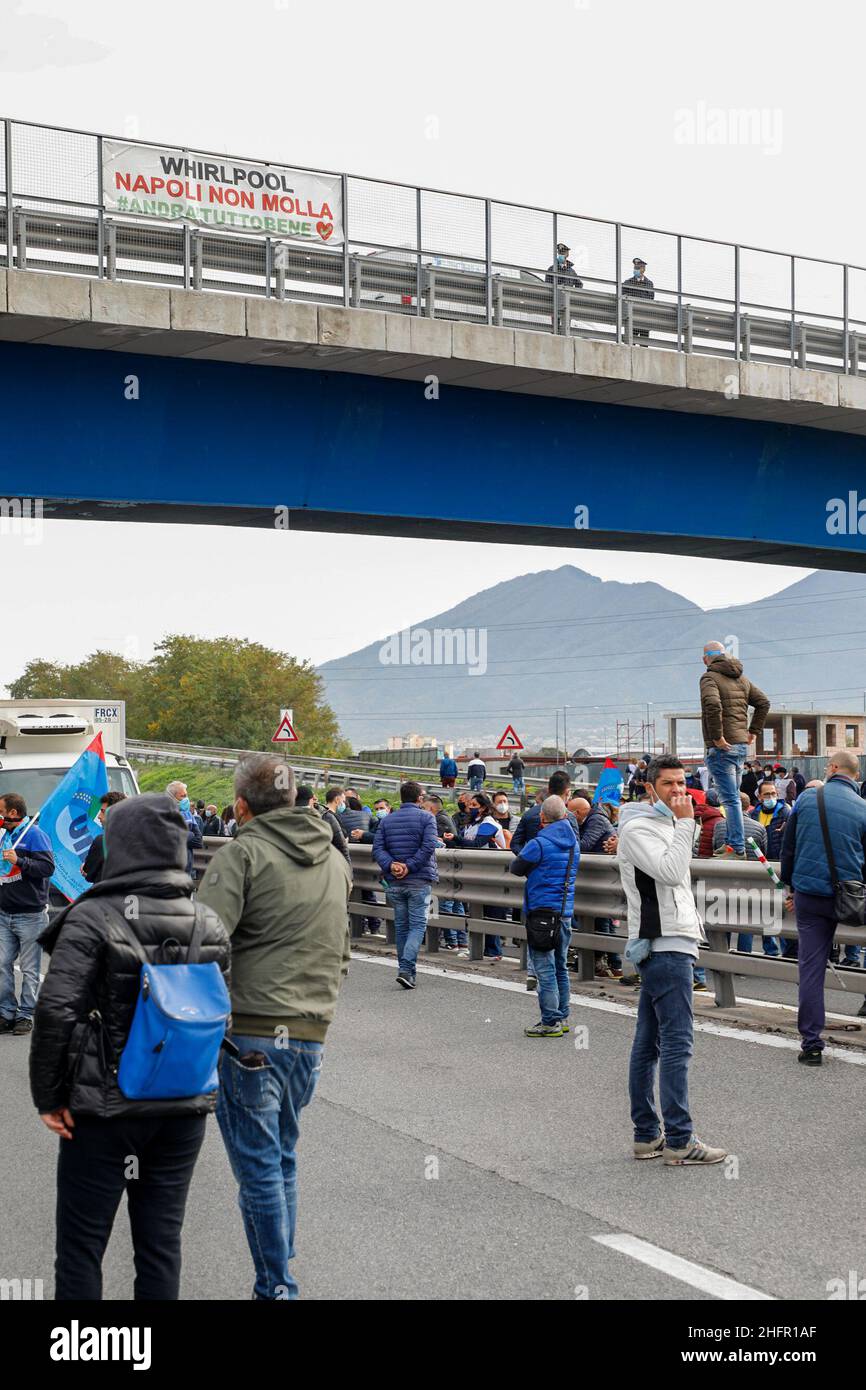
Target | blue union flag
(68,818)
(609,784)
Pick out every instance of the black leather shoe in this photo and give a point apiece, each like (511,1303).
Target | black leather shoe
(813,1058)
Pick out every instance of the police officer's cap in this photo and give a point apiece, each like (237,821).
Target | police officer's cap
(561,246)
(638,260)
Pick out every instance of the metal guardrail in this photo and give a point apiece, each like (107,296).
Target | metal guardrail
(422,251)
(321,770)
(483,880)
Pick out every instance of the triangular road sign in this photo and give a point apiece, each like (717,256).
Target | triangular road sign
(509,740)
(285,733)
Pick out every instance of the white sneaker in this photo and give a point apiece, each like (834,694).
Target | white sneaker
(649,1148)
(694,1152)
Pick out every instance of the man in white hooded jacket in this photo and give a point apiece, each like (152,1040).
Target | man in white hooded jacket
(654,854)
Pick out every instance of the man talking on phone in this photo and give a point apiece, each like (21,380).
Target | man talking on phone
(726,697)
(655,854)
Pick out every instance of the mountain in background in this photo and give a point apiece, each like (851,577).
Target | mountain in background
(608,651)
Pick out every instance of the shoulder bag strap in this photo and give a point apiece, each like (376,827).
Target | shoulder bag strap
(567,877)
(822,813)
(114,914)
(193,950)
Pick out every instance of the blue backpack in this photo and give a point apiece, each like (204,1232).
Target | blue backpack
(179,1023)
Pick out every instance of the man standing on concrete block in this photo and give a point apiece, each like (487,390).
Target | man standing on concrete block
(726,695)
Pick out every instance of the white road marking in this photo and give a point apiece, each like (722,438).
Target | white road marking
(696,1276)
(790,1008)
(609,1006)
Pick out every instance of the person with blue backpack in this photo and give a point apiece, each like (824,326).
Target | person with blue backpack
(127,1031)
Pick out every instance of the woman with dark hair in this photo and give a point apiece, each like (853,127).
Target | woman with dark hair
(227,817)
(484,831)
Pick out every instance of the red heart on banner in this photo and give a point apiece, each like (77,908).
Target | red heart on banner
(325,229)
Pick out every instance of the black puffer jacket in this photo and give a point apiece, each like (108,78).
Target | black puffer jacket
(88,998)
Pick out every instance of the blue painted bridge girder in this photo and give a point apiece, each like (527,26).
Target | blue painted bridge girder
(220,442)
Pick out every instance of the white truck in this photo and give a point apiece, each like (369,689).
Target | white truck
(41,739)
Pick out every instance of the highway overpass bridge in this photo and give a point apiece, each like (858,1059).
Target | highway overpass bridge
(180,374)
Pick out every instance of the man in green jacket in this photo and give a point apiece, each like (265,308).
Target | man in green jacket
(281,890)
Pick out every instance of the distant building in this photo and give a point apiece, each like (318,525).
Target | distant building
(412,741)
(788,733)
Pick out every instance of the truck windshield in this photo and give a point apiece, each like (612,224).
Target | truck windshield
(36,784)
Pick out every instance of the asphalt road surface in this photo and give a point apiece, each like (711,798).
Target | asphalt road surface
(448,1157)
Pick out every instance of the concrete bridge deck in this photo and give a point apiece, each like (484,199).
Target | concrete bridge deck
(75,311)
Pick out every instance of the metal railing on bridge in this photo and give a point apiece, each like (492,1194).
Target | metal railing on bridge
(454,256)
(731,897)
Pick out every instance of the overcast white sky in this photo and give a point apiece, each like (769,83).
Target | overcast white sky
(540,104)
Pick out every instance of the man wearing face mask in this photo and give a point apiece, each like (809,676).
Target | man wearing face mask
(335,800)
(664,929)
(726,698)
(638,286)
(773,815)
(502,813)
(193,838)
(562,272)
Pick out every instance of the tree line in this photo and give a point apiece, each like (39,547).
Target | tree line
(220,692)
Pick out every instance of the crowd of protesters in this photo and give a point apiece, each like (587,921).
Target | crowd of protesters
(270,916)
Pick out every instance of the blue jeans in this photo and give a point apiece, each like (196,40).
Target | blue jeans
(493,944)
(663,1038)
(550,968)
(604,926)
(19,933)
(518,786)
(454,936)
(726,770)
(258,1112)
(771,943)
(476,783)
(411,909)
